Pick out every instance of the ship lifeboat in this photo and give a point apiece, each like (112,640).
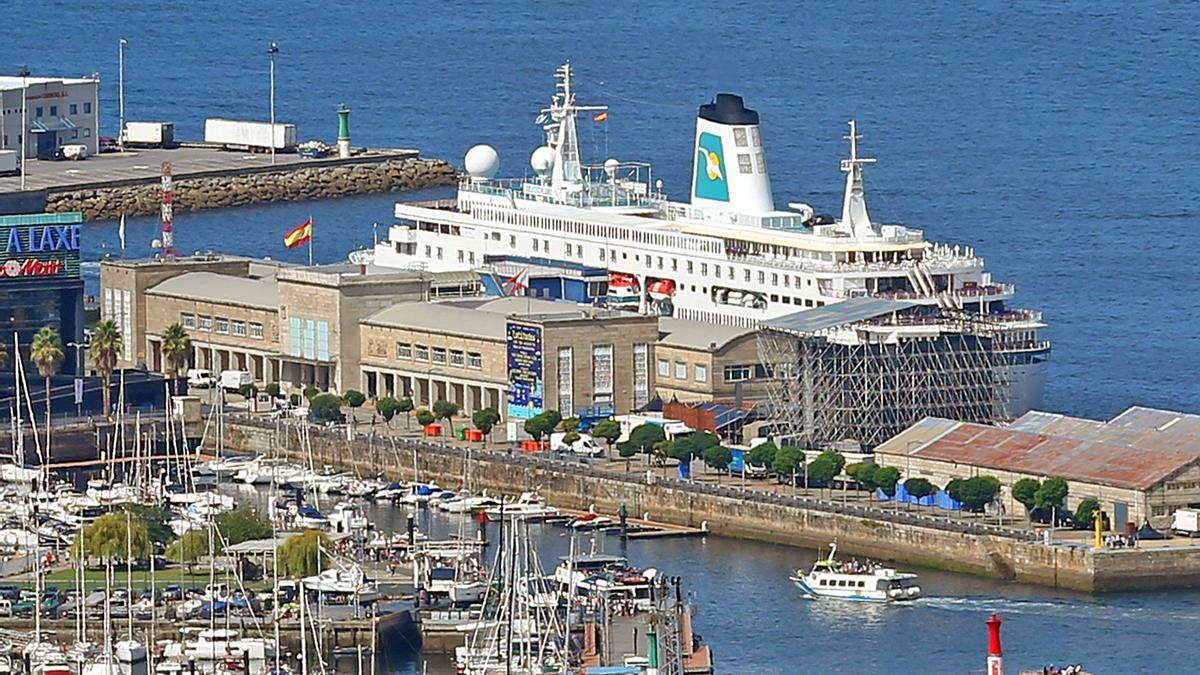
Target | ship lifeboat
(622,288)
(661,289)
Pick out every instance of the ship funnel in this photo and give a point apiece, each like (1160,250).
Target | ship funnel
(730,168)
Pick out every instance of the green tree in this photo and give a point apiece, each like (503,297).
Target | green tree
(106,538)
(445,410)
(176,349)
(324,408)
(298,555)
(974,493)
(354,398)
(763,454)
(157,523)
(919,488)
(538,426)
(885,479)
(248,391)
(1085,512)
(310,392)
(1025,490)
(863,474)
(272,389)
(406,406)
(718,458)
(570,424)
(424,417)
(1052,494)
(684,448)
(787,461)
(387,407)
(644,437)
(193,546)
(571,438)
(242,524)
(553,417)
(485,420)
(609,430)
(104,348)
(826,467)
(47,354)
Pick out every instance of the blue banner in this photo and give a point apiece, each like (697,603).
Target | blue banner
(737,462)
(525,383)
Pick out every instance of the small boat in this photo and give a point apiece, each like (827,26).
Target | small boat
(589,521)
(867,582)
(310,518)
(529,506)
(661,289)
(623,289)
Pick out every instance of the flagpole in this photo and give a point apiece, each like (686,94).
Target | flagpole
(310,238)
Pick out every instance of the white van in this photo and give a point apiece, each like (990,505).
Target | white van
(584,446)
(200,378)
(233,380)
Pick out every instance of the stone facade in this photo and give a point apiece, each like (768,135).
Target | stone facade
(720,372)
(292,183)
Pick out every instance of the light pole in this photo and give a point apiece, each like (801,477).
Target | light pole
(272,50)
(24,122)
(121,93)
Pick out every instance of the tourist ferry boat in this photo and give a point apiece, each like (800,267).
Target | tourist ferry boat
(726,256)
(831,578)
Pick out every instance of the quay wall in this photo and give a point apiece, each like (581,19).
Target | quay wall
(877,532)
(219,189)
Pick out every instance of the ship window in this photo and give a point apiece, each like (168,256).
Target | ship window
(660,263)
(762,277)
(567,249)
(787,300)
(535,245)
(761,161)
(674,264)
(439,253)
(602,253)
(579,250)
(755,138)
(747,274)
(471,257)
(461,257)
(774,279)
(689,267)
(808,303)
(428,251)
(649,262)
(546,245)
(774,298)
(787,281)
(744,164)
(512,241)
(717,271)
(820,303)
(703,269)
(739,137)
(730,269)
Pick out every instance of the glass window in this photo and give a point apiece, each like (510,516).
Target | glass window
(38,112)
(739,136)
(87,107)
(422,353)
(745,165)
(54,111)
(404,350)
(566,382)
(664,368)
(761,161)
(755,138)
(701,373)
(205,322)
(703,269)
(762,277)
(222,325)
(457,358)
(295,335)
(680,370)
(737,373)
(256,330)
(310,339)
(602,372)
(474,360)
(535,245)
(439,355)
(188,320)
(74,108)
(237,328)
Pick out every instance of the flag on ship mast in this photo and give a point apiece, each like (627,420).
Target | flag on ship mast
(600,116)
(517,283)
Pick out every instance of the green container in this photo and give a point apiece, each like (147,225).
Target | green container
(460,433)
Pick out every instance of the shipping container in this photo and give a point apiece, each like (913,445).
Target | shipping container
(9,163)
(246,135)
(150,134)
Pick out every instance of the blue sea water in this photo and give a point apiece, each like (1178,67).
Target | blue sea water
(1059,139)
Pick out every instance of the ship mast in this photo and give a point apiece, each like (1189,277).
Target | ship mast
(562,133)
(855,219)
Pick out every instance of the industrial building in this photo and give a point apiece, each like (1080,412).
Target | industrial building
(1141,465)
(58,111)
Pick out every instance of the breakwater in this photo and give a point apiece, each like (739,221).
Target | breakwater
(319,179)
(879,532)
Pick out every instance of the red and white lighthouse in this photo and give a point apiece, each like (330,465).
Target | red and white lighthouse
(995,659)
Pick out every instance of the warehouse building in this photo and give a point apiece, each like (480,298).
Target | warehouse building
(58,111)
(1141,465)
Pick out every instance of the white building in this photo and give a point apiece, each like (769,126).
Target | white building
(59,111)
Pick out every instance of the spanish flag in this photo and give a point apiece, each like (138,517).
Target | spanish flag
(600,116)
(300,234)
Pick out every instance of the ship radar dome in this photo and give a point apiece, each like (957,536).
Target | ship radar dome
(610,167)
(542,160)
(482,162)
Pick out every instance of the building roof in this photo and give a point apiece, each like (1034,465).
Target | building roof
(1039,454)
(441,317)
(1148,428)
(224,288)
(16,81)
(837,314)
(697,334)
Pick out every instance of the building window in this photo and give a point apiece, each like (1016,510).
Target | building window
(87,108)
(474,360)
(566,383)
(87,132)
(188,320)
(74,108)
(294,336)
(457,358)
(205,322)
(38,111)
(404,350)
(737,373)
(222,325)
(680,370)
(309,339)
(237,328)
(602,373)
(641,375)
(54,111)
(422,353)
(439,253)
(256,330)
(439,355)
(664,368)
(701,373)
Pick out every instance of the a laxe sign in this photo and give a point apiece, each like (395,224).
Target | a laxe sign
(39,251)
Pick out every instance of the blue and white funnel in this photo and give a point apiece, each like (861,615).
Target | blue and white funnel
(730,170)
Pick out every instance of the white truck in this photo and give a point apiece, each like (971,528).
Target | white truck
(10,163)
(233,380)
(1186,522)
(149,134)
(584,446)
(246,135)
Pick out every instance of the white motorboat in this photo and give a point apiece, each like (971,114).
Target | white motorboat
(529,506)
(466,504)
(866,582)
(349,581)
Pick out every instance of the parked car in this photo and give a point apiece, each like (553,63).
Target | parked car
(10,592)
(172,592)
(108,144)
(74,151)
(200,378)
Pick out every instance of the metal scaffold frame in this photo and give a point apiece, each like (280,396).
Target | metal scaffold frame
(823,388)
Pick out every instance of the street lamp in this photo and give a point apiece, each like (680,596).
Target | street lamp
(121,93)
(24,121)
(272,50)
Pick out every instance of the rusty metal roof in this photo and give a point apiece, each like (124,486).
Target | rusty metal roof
(1147,428)
(1068,455)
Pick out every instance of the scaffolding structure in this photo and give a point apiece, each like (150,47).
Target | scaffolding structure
(868,381)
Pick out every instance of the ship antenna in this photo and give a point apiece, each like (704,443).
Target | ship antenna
(854,203)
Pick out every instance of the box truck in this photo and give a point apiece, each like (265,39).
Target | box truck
(1186,522)
(246,135)
(9,163)
(150,134)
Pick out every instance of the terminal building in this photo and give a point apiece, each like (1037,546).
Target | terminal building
(58,111)
(1141,465)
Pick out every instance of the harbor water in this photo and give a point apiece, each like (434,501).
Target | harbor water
(1058,139)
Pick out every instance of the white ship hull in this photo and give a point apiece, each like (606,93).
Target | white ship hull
(1027,380)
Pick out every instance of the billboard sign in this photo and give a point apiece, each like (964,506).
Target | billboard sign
(39,246)
(525,382)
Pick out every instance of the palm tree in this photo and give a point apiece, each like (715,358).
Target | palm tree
(46,352)
(176,346)
(105,347)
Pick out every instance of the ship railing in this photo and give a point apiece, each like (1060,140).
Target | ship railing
(986,291)
(1023,346)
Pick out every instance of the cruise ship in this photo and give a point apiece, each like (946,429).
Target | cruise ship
(727,256)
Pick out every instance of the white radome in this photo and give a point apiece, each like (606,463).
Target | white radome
(542,160)
(610,166)
(482,161)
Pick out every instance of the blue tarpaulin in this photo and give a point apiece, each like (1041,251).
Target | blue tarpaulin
(685,470)
(940,498)
(737,462)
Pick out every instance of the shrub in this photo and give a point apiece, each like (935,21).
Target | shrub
(310,392)
(1051,494)
(272,389)
(1024,491)
(424,417)
(919,487)
(325,408)
(354,398)
(1085,513)
(248,391)
(885,478)
(387,407)
(974,493)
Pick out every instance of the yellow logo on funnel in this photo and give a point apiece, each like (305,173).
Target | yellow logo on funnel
(712,165)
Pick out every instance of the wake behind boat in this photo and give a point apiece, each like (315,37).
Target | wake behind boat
(831,578)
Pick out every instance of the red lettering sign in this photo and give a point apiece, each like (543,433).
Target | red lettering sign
(48,94)
(31,268)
